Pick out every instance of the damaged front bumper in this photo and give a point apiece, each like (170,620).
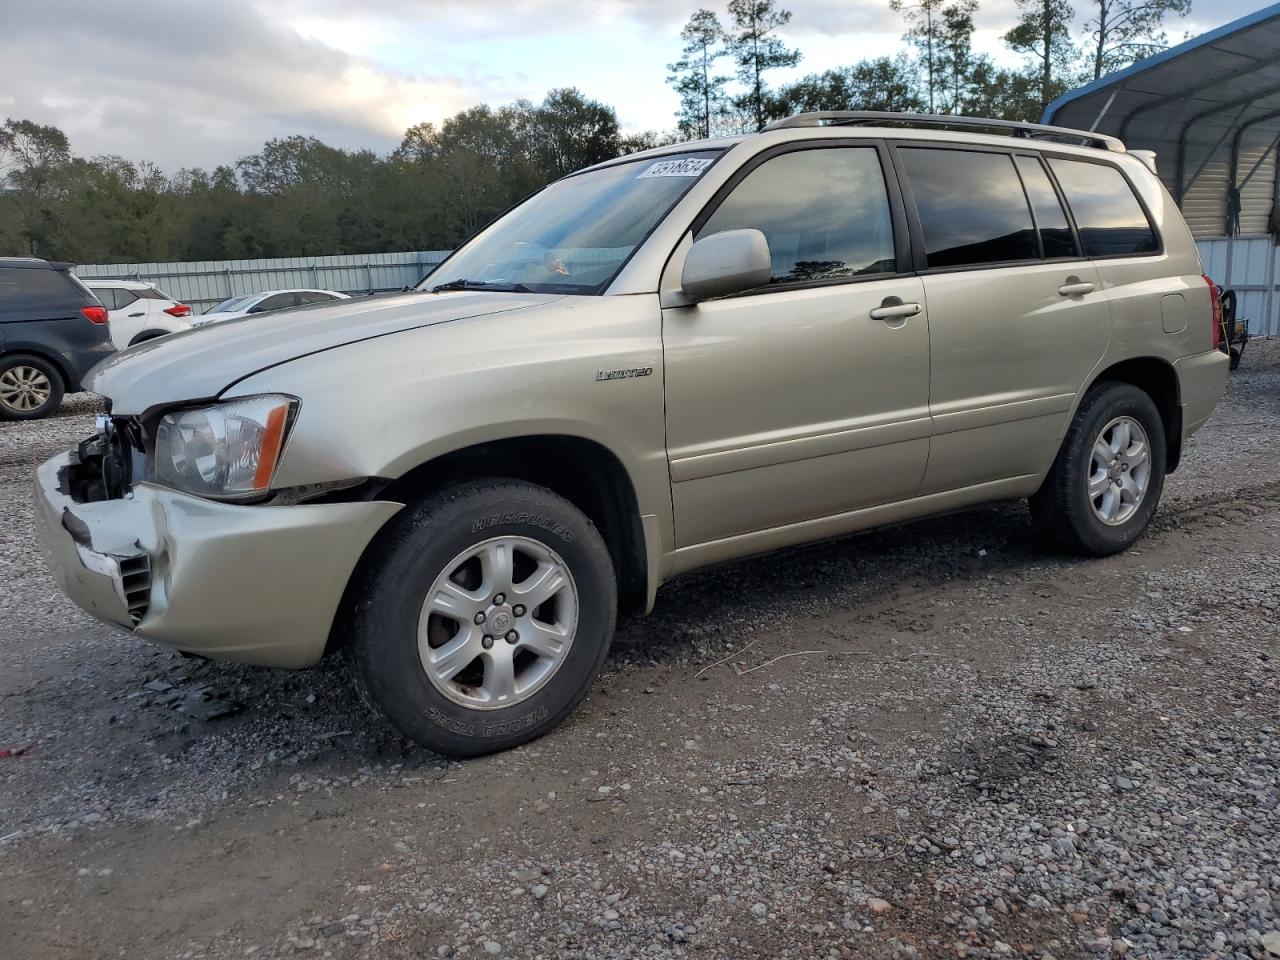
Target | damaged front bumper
(257,584)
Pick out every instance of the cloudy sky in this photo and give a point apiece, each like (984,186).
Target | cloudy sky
(189,83)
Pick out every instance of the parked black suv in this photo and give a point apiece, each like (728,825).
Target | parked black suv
(52,330)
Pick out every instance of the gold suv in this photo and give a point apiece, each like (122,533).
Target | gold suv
(672,359)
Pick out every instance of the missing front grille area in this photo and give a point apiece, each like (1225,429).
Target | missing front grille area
(102,465)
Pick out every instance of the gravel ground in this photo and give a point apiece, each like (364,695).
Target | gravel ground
(933,741)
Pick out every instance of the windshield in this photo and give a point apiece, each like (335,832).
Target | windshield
(575,235)
(226,306)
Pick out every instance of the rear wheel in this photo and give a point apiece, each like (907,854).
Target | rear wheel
(483,616)
(1105,484)
(30,387)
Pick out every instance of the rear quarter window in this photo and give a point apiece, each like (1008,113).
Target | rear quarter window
(20,284)
(107,295)
(1109,218)
(313,296)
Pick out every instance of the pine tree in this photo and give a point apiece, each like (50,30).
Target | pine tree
(924,27)
(702,97)
(956,61)
(1043,34)
(756,50)
(1125,31)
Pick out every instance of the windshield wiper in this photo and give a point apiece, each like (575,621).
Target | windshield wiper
(465,284)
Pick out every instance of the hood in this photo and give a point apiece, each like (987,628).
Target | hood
(200,363)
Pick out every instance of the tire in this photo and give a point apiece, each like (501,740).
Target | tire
(30,387)
(413,562)
(1063,509)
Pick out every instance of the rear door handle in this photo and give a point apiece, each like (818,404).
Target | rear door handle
(894,309)
(1075,287)
(137,314)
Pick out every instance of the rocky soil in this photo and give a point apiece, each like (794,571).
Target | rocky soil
(938,740)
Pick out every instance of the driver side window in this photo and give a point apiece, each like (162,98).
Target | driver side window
(824,211)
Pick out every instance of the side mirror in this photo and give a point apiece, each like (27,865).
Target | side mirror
(727,262)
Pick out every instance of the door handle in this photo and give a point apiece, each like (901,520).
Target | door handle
(137,314)
(894,309)
(1075,287)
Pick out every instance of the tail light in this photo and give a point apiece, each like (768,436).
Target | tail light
(1215,308)
(178,310)
(95,314)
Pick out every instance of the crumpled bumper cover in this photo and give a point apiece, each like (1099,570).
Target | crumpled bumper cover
(256,584)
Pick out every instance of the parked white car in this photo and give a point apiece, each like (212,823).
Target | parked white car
(138,311)
(265,302)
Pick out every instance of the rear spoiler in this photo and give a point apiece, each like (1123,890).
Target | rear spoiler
(1148,158)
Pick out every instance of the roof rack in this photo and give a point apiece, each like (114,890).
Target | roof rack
(853,118)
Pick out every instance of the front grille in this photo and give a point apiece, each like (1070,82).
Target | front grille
(135,577)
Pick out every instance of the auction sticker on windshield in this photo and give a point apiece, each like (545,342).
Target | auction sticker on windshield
(688,167)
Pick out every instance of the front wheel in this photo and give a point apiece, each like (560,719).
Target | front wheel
(1106,481)
(483,615)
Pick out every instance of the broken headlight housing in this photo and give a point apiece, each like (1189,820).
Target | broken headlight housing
(227,451)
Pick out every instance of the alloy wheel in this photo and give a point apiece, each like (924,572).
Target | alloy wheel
(498,622)
(1120,470)
(24,388)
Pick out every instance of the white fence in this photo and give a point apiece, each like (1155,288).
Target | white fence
(205,283)
(1247,265)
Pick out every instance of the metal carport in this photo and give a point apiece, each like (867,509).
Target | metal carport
(1210,109)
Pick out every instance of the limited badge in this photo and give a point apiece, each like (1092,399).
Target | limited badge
(628,373)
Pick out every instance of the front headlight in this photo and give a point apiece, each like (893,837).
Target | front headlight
(228,451)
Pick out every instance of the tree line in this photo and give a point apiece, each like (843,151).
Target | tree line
(722,74)
(299,196)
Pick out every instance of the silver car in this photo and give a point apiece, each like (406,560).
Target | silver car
(268,301)
(668,360)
